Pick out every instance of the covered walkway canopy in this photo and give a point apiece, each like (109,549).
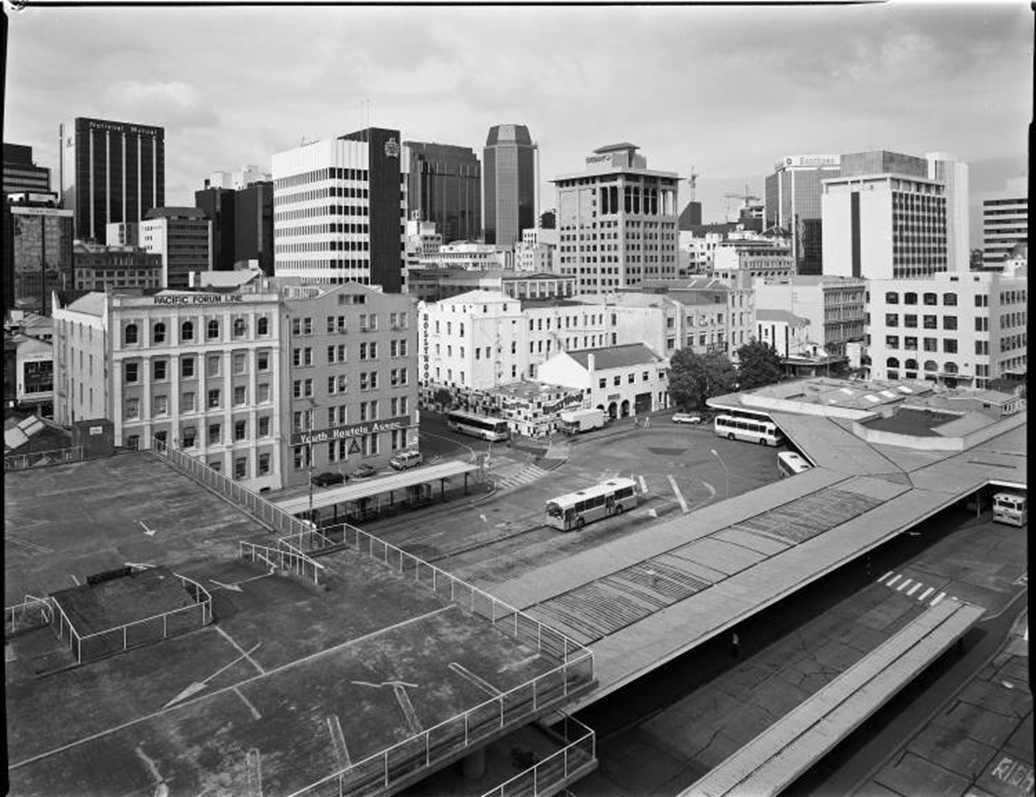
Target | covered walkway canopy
(401,482)
(777,756)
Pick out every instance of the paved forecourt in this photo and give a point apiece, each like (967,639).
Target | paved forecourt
(643,600)
(292,683)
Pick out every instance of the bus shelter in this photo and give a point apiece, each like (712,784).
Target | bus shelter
(369,498)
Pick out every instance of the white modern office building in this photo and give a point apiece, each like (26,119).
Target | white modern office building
(953,174)
(1005,221)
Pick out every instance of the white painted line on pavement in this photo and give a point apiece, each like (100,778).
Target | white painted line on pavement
(938,598)
(889,573)
(926,593)
(915,588)
(643,485)
(893,581)
(900,587)
(679,495)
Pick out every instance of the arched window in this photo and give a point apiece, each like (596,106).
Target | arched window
(158,333)
(130,334)
(909,298)
(891,298)
(262,326)
(931,365)
(239,327)
(187,330)
(892,362)
(950,368)
(931,299)
(910,365)
(949,299)
(213,328)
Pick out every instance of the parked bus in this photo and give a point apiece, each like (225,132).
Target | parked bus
(790,463)
(1010,508)
(478,425)
(574,510)
(753,430)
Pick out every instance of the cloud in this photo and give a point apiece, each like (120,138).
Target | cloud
(168,104)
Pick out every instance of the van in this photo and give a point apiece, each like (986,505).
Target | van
(406,459)
(1010,508)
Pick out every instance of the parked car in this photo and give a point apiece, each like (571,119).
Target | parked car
(329,477)
(686,417)
(364,471)
(406,459)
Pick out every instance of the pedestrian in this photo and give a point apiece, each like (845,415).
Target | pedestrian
(735,646)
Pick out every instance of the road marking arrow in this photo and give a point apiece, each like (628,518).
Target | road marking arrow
(147,531)
(221,585)
(197,686)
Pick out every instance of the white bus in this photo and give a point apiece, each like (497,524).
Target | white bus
(478,425)
(790,463)
(1010,508)
(753,430)
(574,510)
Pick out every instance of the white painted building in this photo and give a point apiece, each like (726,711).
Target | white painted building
(834,306)
(1005,221)
(621,380)
(953,174)
(956,329)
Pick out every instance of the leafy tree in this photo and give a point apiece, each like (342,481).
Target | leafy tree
(759,365)
(443,397)
(693,378)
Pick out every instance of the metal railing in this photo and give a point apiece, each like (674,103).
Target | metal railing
(139,632)
(39,459)
(287,558)
(32,612)
(571,760)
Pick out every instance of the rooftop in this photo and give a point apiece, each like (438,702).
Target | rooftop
(783,316)
(615,356)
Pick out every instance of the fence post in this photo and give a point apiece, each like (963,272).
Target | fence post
(385,756)
(125,637)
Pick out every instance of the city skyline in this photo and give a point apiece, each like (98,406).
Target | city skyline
(725,90)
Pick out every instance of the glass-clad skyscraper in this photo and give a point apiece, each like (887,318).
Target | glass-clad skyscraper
(509,186)
(445,185)
(793,194)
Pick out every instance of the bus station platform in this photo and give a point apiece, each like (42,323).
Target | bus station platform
(361,500)
(776,757)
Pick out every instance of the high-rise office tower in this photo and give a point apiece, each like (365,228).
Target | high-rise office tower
(20,173)
(510,184)
(183,237)
(110,172)
(242,224)
(340,210)
(953,174)
(617,221)
(884,218)
(1005,221)
(793,202)
(445,185)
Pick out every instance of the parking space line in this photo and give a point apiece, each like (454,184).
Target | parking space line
(679,495)
(239,649)
(247,702)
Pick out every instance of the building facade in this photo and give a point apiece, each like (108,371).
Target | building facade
(953,174)
(834,306)
(242,224)
(445,187)
(109,172)
(883,218)
(38,256)
(1005,221)
(769,258)
(955,329)
(621,380)
(340,210)
(21,174)
(183,239)
(436,284)
(200,371)
(510,184)
(351,378)
(238,179)
(793,195)
(617,221)
(99,268)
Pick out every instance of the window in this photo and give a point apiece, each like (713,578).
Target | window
(949,299)
(240,430)
(240,467)
(187,367)
(214,398)
(216,465)
(240,327)
(264,464)
(240,395)
(262,327)
(189,435)
(602,383)
(264,426)
(931,299)
(212,365)
(187,330)
(631,378)
(130,334)
(158,333)
(132,371)
(133,408)
(909,298)
(949,345)
(892,341)
(263,361)
(302,457)
(215,434)
(949,322)
(931,344)
(931,322)
(240,362)
(213,329)
(644,377)
(910,344)
(891,298)
(981,324)
(159,369)
(891,319)
(302,388)
(910,321)
(264,393)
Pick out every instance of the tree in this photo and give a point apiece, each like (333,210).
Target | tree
(693,378)
(443,397)
(759,365)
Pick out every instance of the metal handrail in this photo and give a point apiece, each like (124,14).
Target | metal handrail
(540,765)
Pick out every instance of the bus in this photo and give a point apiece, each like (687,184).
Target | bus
(1010,508)
(478,425)
(790,463)
(575,510)
(753,430)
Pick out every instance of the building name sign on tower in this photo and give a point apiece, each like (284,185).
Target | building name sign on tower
(809,160)
(592,159)
(201,298)
(115,127)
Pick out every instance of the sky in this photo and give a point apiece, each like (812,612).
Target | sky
(723,90)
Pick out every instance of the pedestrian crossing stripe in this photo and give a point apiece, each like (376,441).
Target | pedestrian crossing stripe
(913,585)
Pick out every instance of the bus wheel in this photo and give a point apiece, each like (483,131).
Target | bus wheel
(762,441)
(730,435)
(580,522)
(618,509)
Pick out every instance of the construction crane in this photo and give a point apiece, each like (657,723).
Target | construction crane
(745,197)
(692,181)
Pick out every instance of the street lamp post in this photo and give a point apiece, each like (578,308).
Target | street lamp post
(726,473)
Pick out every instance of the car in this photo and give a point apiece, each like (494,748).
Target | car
(364,471)
(328,478)
(406,459)
(686,417)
